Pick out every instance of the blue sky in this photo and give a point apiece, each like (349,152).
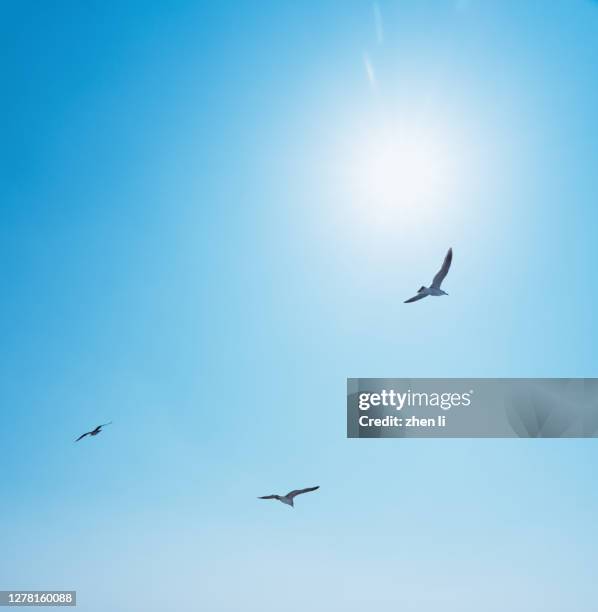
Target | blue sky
(198,243)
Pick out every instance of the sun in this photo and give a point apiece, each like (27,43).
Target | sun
(403,171)
(401,174)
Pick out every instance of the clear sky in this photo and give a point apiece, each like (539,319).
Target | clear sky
(211,214)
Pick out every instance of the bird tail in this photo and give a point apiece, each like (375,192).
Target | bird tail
(422,288)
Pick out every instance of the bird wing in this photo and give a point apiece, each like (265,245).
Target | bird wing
(419,296)
(269,497)
(99,427)
(296,492)
(444,270)
(82,436)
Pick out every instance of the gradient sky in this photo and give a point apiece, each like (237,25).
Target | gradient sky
(194,245)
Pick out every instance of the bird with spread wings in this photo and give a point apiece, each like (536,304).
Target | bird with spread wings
(289,497)
(434,288)
(93,432)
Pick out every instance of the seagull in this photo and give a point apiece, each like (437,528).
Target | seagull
(434,288)
(288,498)
(93,432)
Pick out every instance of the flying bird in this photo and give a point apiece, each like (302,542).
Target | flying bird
(434,288)
(289,497)
(93,432)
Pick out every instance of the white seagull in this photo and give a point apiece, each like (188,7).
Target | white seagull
(288,498)
(434,288)
(93,432)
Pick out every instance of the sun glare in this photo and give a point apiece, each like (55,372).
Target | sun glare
(402,172)
(400,175)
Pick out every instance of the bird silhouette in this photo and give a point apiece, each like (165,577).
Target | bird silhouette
(289,497)
(434,288)
(93,432)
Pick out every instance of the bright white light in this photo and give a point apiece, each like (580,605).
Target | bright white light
(401,174)
(399,177)
(405,172)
